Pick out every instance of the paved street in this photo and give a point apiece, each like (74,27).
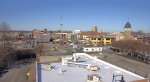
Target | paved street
(18,73)
(137,67)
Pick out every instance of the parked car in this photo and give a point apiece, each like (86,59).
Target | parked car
(119,53)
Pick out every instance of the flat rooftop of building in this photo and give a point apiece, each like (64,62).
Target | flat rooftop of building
(79,74)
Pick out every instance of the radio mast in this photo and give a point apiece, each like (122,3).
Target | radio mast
(61,24)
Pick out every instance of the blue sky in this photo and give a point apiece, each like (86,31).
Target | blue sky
(107,15)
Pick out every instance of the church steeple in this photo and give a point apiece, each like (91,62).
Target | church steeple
(127,31)
(127,25)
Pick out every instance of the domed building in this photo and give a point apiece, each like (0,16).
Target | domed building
(127,31)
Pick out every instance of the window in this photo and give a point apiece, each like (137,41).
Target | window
(107,38)
(99,38)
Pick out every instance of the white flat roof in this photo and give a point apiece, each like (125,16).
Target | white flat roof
(79,74)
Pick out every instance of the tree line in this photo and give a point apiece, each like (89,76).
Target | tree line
(6,41)
(132,48)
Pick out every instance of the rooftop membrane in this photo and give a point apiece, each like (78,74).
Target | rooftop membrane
(79,74)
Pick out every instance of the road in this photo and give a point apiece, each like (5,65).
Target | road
(18,73)
(134,66)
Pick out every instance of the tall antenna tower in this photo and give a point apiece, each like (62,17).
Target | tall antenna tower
(61,24)
(128,19)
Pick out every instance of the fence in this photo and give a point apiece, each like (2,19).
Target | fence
(143,74)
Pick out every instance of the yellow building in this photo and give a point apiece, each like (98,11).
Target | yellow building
(99,40)
(106,41)
(88,38)
(96,40)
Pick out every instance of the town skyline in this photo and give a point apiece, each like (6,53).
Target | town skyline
(77,15)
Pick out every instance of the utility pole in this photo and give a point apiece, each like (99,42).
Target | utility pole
(61,24)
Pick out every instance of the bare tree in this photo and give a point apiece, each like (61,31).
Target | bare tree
(5,40)
(39,50)
(134,48)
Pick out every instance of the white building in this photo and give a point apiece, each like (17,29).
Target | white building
(92,49)
(76,31)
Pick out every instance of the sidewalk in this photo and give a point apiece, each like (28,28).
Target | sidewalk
(32,77)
